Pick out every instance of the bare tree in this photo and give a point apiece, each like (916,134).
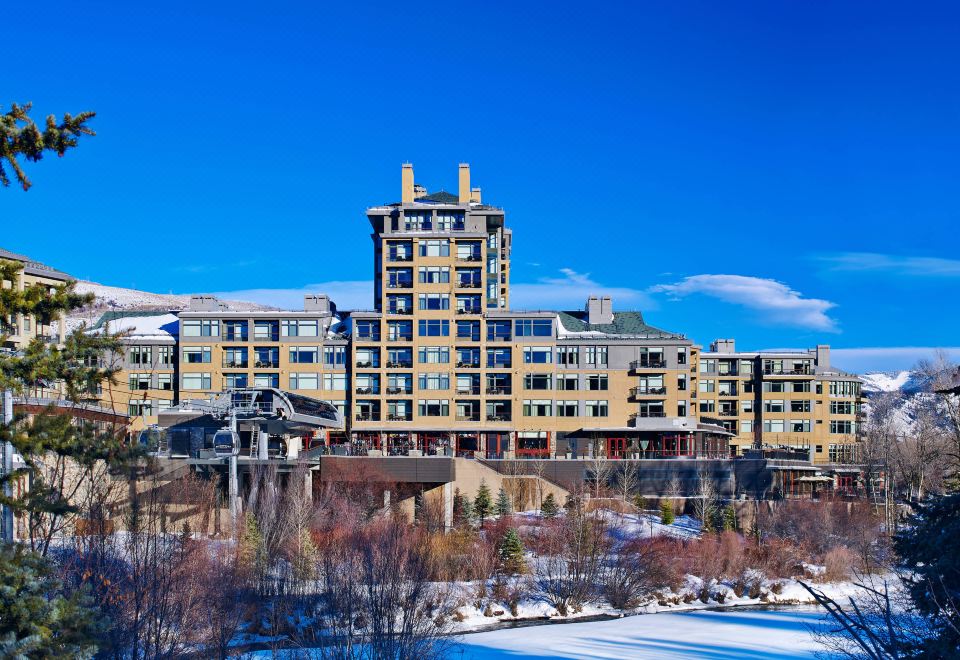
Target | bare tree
(627,479)
(572,550)
(599,469)
(705,501)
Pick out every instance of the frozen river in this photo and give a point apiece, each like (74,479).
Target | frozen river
(755,634)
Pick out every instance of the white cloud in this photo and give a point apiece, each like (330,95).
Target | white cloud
(346,294)
(571,292)
(886,358)
(776,302)
(894,264)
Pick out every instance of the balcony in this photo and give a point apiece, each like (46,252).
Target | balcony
(368,417)
(728,413)
(399,257)
(400,310)
(467,338)
(468,365)
(469,418)
(367,337)
(474,257)
(647,391)
(469,310)
(393,391)
(368,390)
(731,392)
(498,337)
(400,364)
(395,338)
(648,363)
(405,284)
(238,336)
(235,364)
(502,417)
(502,390)
(469,285)
(472,391)
(648,413)
(367,364)
(266,336)
(779,371)
(498,365)
(400,418)
(267,364)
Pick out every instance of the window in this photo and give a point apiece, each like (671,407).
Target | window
(708,386)
(800,406)
(682,355)
(195,381)
(368,357)
(843,453)
(434,381)
(774,386)
(773,406)
(137,408)
(568,382)
(435,248)
(235,380)
(469,303)
(707,405)
(681,408)
(299,328)
(266,330)
(433,328)
(773,426)
(434,274)
(538,382)
(708,366)
(266,357)
(334,356)
(534,328)
(747,406)
(568,356)
(367,330)
(469,250)
(597,382)
(433,354)
(470,278)
(235,358)
(165,354)
(841,407)
(799,425)
(682,382)
(568,408)
(596,408)
(498,358)
(841,427)
(336,382)
(399,330)
(417,221)
(746,426)
(305,355)
(235,330)
(469,330)
(399,278)
(165,382)
(844,388)
(468,357)
(498,330)
(200,328)
(434,407)
(196,354)
(801,386)
(266,380)
(139,381)
(399,303)
(434,300)
(537,408)
(537,354)
(303,381)
(746,367)
(450,220)
(141,355)
(399,251)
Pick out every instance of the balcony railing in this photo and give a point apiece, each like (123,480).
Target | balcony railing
(470,285)
(368,417)
(367,364)
(732,392)
(780,371)
(237,336)
(468,365)
(266,336)
(648,364)
(647,391)
(406,284)
(502,417)
(728,413)
(470,257)
(267,364)
(469,390)
(648,413)
(468,338)
(498,365)
(498,390)
(469,418)
(399,390)
(399,257)
(400,418)
(400,364)
(367,337)
(235,364)
(498,337)
(368,390)
(469,310)
(400,338)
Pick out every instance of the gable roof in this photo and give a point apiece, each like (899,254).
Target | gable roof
(442,197)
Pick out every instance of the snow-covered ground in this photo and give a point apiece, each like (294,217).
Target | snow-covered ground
(714,634)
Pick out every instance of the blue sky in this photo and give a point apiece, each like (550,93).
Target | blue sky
(783,173)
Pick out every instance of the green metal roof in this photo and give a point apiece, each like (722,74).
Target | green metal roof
(624,323)
(442,197)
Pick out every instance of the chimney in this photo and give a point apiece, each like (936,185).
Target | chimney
(599,310)
(406,178)
(823,356)
(475,195)
(314,302)
(464,197)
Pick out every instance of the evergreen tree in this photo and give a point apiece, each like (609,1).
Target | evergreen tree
(482,505)
(666,512)
(549,508)
(730,518)
(502,507)
(20,137)
(510,551)
(928,549)
(640,501)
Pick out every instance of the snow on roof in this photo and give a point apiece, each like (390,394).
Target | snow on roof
(155,326)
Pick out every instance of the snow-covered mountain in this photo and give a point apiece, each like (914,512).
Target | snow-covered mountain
(114,298)
(893,381)
(897,396)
